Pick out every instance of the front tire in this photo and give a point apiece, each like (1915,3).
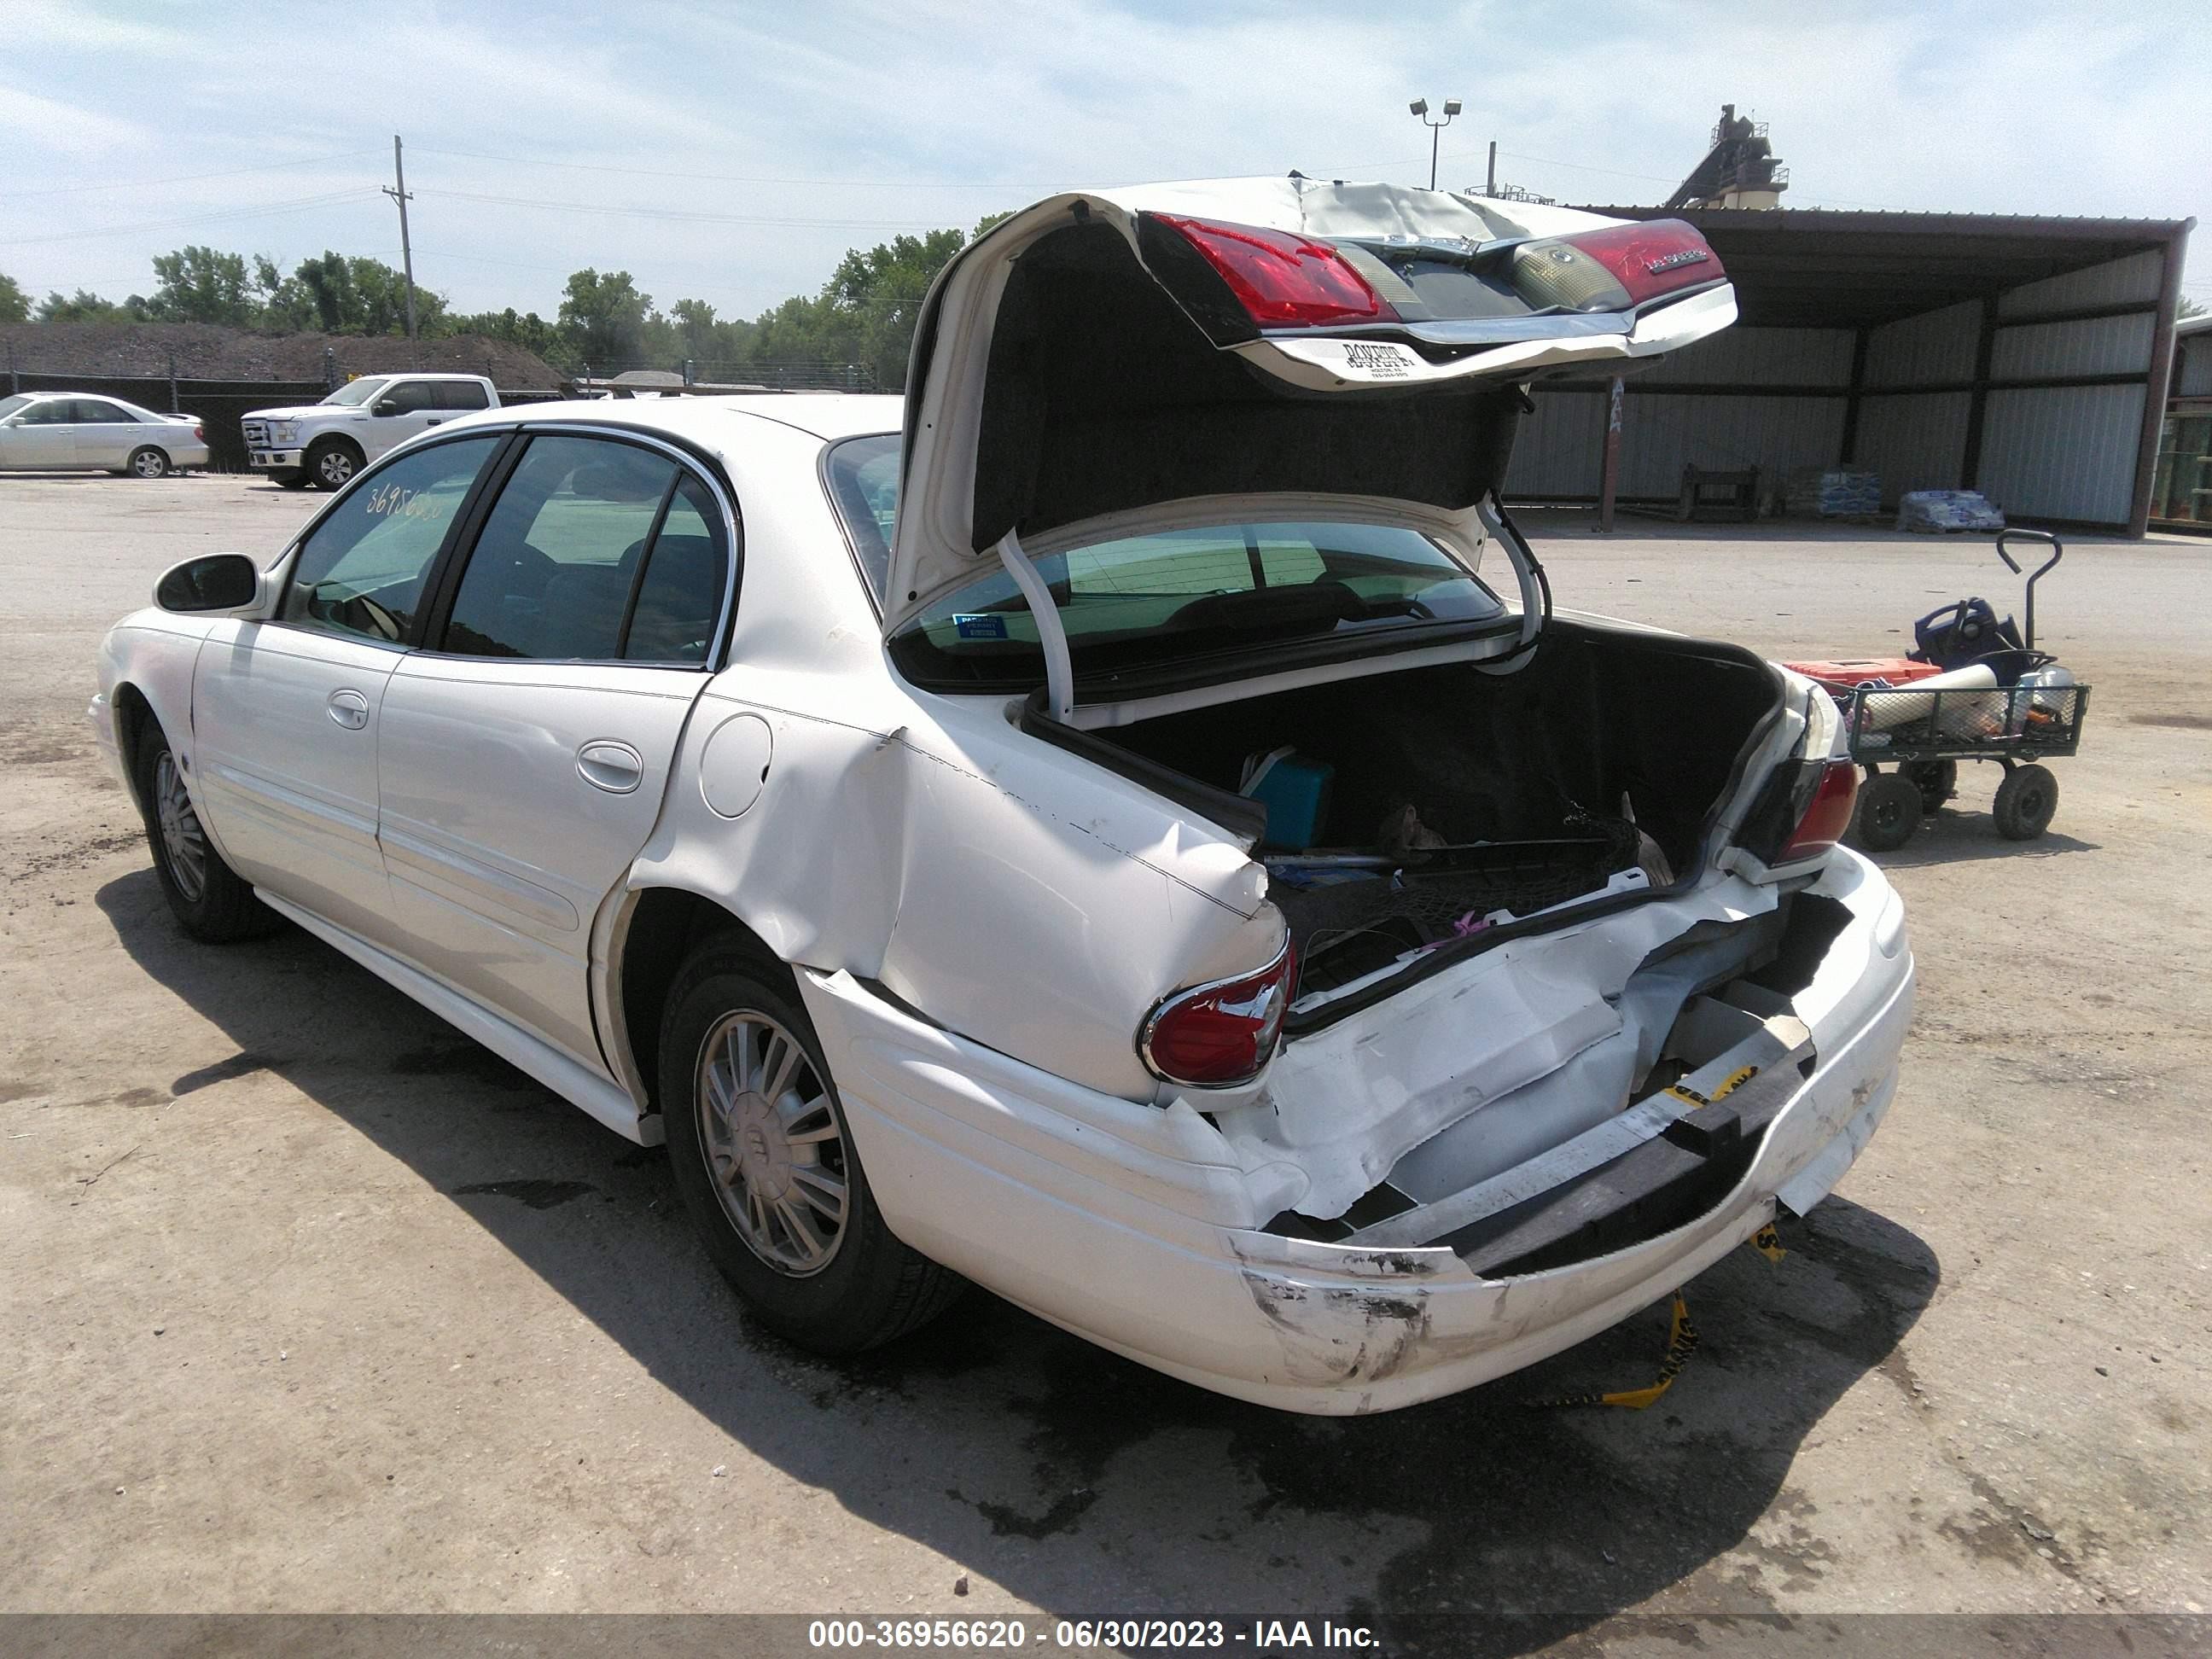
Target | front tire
(2026,802)
(148,463)
(209,898)
(290,480)
(332,463)
(761,1153)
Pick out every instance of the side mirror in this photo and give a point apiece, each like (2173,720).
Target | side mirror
(213,582)
(387,406)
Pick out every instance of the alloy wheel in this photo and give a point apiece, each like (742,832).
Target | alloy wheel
(773,1142)
(335,469)
(149,464)
(182,838)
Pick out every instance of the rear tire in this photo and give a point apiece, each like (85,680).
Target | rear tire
(1887,813)
(1937,781)
(148,463)
(332,463)
(2026,802)
(209,899)
(761,1153)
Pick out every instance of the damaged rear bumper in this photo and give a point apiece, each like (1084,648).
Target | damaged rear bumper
(1090,1210)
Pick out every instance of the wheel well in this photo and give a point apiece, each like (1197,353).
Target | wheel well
(133,715)
(333,441)
(666,926)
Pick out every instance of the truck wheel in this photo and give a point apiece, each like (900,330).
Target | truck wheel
(2026,802)
(1887,813)
(1937,781)
(148,463)
(290,480)
(759,1147)
(209,898)
(332,463)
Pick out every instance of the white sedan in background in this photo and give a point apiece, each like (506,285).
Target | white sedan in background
(81,432)
(1089,829)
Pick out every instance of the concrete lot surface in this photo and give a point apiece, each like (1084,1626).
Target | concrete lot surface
(312,1305)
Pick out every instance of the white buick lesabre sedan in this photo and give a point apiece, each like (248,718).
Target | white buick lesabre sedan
(1123,826)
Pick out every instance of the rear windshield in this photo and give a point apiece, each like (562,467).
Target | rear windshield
(1172,598)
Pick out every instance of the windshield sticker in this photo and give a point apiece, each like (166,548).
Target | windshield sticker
(980,628)
(1380,363)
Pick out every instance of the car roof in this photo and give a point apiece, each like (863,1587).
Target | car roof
(828,415)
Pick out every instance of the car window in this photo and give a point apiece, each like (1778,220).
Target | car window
(686,572)
(863,483)
(460,394)
(410,397)
(52,411)
(361,570)
(9,405)
(553,571)
(91,411)
(354,393)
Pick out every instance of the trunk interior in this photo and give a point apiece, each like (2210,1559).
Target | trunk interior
(1414,808)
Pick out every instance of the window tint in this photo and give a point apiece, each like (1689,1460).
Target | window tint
(407,396)
(54,411)
(92,411)
(864,484)
(460,394)
(362,570)
(681,596)
(1180,595)
(552,574)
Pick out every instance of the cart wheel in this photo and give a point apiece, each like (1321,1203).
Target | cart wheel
(1889,812)
(1936,781)
(2026,801)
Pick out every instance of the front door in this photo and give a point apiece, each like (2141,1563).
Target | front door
(527,747)
(105,435)
(286,712)
(403,410)
(43,436)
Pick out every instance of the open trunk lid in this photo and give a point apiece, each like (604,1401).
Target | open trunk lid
(1104,352)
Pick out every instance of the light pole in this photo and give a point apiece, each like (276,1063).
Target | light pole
(1421,107)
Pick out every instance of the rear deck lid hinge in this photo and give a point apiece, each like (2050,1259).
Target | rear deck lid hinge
(1052,632)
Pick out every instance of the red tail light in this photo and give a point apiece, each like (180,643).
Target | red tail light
(1217,1035)
(1827,816)
(1281,279)
(1615,268)
(199,434)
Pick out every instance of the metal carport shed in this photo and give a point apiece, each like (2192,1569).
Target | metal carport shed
(2024,357)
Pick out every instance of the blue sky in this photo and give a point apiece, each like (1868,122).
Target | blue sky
(541,136)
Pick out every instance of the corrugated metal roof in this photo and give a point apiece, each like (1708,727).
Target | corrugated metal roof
(1804,267)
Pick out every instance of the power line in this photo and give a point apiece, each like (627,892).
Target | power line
(267,210)
(188,177)
(683,216)
(726,177)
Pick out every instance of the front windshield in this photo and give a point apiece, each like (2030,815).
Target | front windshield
(9,405)
(355,392)
(1170,598)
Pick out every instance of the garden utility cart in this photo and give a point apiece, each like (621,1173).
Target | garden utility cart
(1974,688)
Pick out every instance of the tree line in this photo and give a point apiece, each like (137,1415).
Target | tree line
(864,314)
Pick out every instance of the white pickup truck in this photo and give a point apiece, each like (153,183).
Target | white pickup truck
(326,443)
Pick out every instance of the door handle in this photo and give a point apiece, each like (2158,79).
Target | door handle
(614,767)
(348,708)
(434,420)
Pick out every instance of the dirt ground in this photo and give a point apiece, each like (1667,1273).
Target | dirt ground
(312,1305)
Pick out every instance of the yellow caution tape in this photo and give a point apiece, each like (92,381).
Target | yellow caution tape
(1681,1343)
(1768,1242)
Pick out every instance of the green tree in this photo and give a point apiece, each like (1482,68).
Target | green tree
(199,285)
(335,295)
(603,319)
(527,329)
(15,304)
(86,307)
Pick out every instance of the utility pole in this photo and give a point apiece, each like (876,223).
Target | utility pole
(397,192)
(1491,187)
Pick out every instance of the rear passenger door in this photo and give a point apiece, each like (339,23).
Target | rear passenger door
(526,748)
(106,434)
